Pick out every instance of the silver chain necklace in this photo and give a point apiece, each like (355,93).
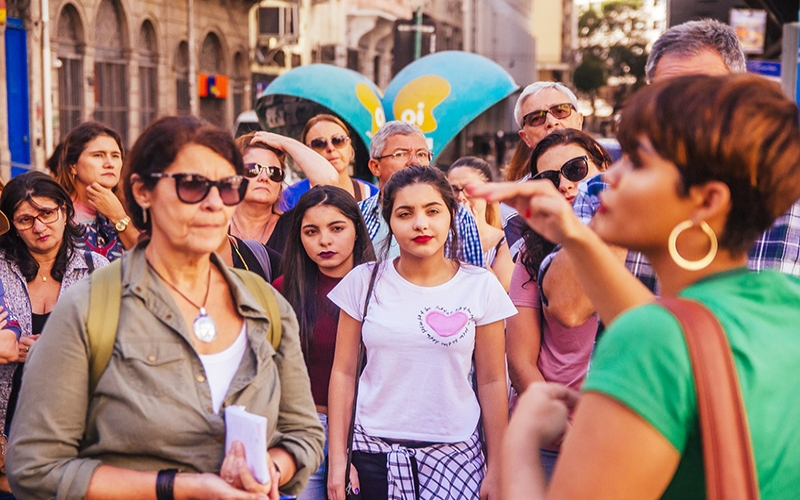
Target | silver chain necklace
(204,327)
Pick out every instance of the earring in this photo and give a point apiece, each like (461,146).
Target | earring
(144,214)
(692,265)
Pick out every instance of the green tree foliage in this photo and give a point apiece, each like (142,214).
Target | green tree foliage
(612,46)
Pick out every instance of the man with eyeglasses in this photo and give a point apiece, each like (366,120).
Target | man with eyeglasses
(695,47)
(395,146)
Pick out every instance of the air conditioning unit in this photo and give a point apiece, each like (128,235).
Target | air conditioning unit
(277,21)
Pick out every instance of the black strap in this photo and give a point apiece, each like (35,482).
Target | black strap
(165,483)
(87,256)
(359,367)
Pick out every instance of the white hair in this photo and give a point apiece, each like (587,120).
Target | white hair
(535,88)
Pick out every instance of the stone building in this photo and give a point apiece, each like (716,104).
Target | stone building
(126,62)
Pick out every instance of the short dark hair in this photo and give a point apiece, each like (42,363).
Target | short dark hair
(742,130)
(158,146)
(417,174)
(693,37)
(73,146)
(300,284)
(23,188)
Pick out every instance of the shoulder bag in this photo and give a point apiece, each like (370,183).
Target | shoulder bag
(727,449)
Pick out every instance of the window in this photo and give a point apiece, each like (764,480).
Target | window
(183,107)
(148,75)
(212,63)
(70,74)
(277,22)
(110,70)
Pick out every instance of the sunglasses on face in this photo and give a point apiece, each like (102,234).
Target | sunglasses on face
(193,188)
(537,118)
(321,143)
(575,170)
(253,170)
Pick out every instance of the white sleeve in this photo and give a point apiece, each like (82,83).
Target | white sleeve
(498,304)
(349,294)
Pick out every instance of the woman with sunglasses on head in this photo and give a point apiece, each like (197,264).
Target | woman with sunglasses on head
(328,238)
(39,259)
(328,136)
(191,339)
(89,169)
(539,347)
(692,192)
(496,256)
(257,217)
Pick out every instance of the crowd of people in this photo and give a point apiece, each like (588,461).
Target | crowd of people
(426,337)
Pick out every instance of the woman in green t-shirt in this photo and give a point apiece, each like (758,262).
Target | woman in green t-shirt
(709,163)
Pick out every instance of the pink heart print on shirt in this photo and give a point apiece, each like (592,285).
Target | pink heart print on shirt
(446,325)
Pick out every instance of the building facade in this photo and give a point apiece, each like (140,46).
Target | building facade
(127,62)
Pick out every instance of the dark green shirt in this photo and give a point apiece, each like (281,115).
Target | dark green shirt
(643,362)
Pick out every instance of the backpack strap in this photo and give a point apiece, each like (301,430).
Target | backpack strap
(260,252)
(101,328)
(87,256)
(265,296)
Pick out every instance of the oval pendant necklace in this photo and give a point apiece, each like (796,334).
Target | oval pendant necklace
(204,327)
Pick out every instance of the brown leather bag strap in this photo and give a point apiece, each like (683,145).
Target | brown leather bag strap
(727,450)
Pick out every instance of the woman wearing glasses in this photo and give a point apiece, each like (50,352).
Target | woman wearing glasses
(191,339)
(256,218)
(328,136)
(539,347)
(39,259)
(89,169)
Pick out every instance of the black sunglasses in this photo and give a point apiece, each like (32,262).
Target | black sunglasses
(193,188)
(321,144)
(537,118)
(253,170)
(575,170)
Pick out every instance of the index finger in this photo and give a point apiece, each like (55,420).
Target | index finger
(501,191)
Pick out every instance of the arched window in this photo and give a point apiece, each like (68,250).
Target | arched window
(110,69)
(182,80)
(70,74)
(212,63)
(240,102)
(148,75)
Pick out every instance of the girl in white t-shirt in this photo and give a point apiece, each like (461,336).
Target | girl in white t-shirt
(429,317)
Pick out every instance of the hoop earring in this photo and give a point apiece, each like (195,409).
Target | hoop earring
(692,265)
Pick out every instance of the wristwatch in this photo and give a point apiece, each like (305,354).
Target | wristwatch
(122,224)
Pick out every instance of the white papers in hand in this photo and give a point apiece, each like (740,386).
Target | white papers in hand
(250,430)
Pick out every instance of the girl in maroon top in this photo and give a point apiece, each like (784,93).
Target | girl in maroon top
(326,240)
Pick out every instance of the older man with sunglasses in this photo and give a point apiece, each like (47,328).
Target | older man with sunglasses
(395,146)
(696,47)
(541,108)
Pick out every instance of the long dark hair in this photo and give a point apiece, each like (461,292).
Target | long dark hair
(536,246)
(300,284)
(23,188)
(73,146)
(419,175)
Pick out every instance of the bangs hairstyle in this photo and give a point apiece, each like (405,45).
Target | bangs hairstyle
(736,129)
(243,144)
(565,136)
(419,175)
(300,284)
(481,167)
(323,118)
(73,146)
(24,188)
(158,146)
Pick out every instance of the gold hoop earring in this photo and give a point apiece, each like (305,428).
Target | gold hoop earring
(692,265)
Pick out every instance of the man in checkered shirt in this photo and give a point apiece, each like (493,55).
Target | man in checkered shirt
(397,145)
(696,47)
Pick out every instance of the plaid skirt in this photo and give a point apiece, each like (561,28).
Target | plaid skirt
(445,471)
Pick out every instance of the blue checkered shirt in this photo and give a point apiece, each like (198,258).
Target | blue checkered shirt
(778,248)
(469,241)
